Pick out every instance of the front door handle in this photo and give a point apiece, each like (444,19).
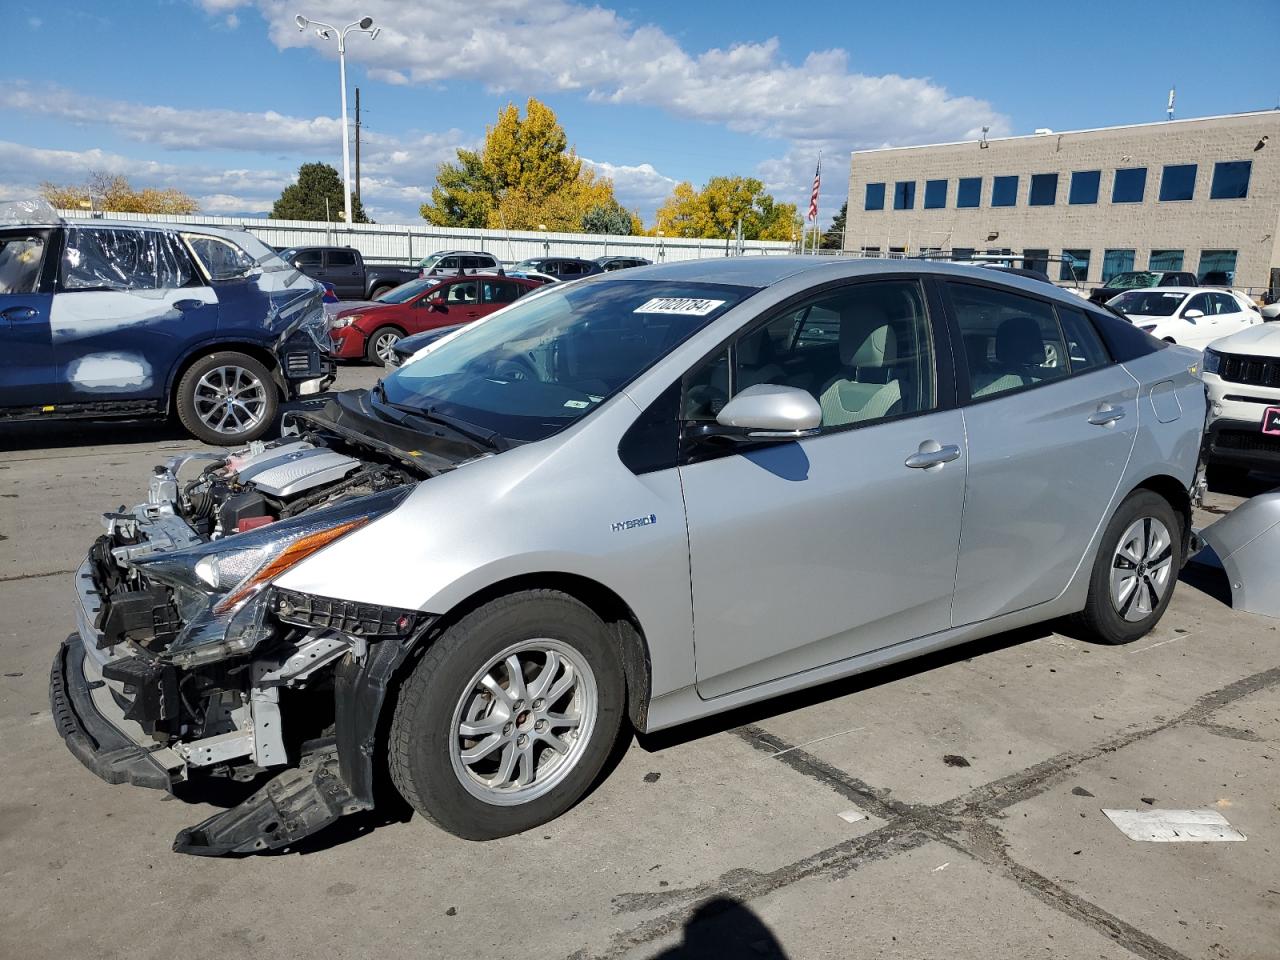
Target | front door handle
(1106,415)
(932,455)
(18,314)
(185,305)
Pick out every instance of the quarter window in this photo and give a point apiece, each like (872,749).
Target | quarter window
(21,257)
(1115,262)
(1075,265)
(1178,182)
(1004,191)
(875,197)
(1044,189)
(1230,180)
(904,195)
(1165,260)
(1011,342)
(1084,348)
(969,192)
(1084,186)
(1130,186)
(935,194)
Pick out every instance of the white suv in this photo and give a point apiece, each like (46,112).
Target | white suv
(1242,375)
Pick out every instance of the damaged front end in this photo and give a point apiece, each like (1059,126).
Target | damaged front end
(188,662)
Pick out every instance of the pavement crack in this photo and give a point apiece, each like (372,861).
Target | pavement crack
(34,576)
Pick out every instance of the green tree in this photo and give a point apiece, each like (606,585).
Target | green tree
(714,211)
(524,176)
(305,198)
(608,218)
(833,239)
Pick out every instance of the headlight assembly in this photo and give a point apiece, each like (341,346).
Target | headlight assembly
(345,321)
(220,587)
(1212,361)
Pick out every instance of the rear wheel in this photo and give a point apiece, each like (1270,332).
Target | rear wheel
(379,291)
(509,716)
(227,398)
(1135,570)
(381,346)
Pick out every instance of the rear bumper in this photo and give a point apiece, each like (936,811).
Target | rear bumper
(90,724)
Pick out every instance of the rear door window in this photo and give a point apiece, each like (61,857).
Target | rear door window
(1224,303)
(21,257)
(341,258)
(104,258)
(1011,342)
(221,259)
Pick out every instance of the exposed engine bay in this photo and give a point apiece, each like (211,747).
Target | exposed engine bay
(189,662)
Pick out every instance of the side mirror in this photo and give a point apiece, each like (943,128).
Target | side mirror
(766,412)
(1193,315)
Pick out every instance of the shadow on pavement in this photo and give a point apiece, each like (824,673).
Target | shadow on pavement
(61,434)
(724,928)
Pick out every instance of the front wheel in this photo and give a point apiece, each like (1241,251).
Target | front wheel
(509,716)
(381,348)
(1135,570)
(227,398)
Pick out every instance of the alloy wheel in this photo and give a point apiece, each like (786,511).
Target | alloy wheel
(384,346)
(523,722)
(1142,569)
(230,400)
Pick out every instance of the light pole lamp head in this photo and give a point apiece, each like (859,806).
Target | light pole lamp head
(301,21)
(366,23)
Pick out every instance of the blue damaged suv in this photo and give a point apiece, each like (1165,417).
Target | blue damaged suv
(104,319)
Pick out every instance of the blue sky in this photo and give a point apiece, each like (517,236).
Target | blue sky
(225,98)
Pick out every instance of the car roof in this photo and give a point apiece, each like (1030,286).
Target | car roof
(222,232)
(1168,289)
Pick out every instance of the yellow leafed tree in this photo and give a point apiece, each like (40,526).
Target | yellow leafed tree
(114,193)
(714,211)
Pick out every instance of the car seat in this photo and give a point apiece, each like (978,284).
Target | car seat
(1019,351)
(869,345)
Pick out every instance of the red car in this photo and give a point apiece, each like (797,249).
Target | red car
(371,331)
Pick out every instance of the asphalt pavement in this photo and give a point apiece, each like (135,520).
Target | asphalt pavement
(950,807)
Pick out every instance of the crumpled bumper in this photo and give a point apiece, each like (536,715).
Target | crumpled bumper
(91,723)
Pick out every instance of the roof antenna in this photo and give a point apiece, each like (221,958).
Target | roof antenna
(1173,92)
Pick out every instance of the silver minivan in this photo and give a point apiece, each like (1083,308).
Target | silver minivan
(621,504)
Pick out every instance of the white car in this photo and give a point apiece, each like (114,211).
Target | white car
(1191,316)
(1242,376)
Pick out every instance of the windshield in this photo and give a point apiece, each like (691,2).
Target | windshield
(406,291)
(542,363)
(426,263)
(1134,280)
(528,265)
(1154,304)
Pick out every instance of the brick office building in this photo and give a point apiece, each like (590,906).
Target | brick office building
(1200,195)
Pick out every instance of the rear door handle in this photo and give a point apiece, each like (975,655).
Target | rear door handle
(932,455)
(1106,415)
(185,305)
(18,314)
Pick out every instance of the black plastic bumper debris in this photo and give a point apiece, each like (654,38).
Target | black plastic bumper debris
(295,804)
(89,736)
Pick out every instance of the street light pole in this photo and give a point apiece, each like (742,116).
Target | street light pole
(325,31)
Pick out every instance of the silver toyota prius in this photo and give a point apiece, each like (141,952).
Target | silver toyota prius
(624,503)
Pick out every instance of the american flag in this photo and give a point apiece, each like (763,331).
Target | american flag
(813,196)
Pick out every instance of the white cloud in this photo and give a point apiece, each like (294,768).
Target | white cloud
(232,21)
(638,187)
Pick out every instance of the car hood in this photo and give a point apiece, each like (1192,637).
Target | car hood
(1259,340)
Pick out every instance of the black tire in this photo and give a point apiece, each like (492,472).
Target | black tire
(371,345)
(419,757)
(379,291)
(185,399)
(1100,619)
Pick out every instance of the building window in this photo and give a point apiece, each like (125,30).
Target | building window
(1004,191)
(1044,189)
(969,192)
(1130,185)
(904,195)
(1178,182)
(1230,180)
(871,251)
(1115,262)
(962,253)
(875,197)
(1217,267)
(935,194)
(897,253)
(1036,260)
(1165,260)
(1075,265)
(1084,186)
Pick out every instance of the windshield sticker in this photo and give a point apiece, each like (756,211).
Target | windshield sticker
(577,404)
(680,306)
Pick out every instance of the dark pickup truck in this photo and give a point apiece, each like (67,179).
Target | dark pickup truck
(343,267)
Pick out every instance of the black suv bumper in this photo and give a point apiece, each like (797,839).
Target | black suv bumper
(1241,444)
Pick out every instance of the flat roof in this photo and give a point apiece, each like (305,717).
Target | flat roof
(1059,133)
